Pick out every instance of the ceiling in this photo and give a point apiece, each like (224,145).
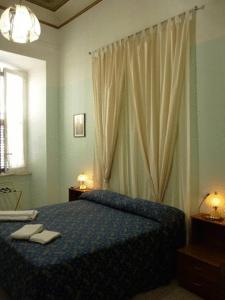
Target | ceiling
(54,13)
(49,4)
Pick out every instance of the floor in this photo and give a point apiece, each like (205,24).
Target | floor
(170,292)
(3,295)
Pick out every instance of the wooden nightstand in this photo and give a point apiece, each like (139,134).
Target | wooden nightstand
(201,264)
(74,193)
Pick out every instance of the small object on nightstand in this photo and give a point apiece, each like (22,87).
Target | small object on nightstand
(74,193)
(201,264)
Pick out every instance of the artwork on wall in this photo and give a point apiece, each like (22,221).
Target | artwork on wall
(79,125)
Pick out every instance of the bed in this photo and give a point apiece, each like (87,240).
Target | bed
(112,247)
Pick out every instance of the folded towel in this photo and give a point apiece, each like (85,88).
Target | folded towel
(44,237)
(27,231)
(20,215)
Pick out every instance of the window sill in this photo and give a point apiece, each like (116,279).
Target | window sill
(25,173)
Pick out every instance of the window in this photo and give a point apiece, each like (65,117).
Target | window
(12,121)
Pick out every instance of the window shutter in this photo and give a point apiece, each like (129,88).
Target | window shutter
(12,120)
(15,94)
(2,146)
(2,123)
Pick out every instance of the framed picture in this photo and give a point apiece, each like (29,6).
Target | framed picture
(79,125)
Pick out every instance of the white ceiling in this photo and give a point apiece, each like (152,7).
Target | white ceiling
(61,15)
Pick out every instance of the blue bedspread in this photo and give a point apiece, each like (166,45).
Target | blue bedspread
(112,247)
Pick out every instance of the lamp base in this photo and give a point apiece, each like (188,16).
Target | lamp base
(83,187)
(213,218)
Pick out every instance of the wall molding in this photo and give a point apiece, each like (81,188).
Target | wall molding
(67,21)
(80,13)
(55,8)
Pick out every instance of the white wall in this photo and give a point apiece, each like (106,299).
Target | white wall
(42,186)
(111,20)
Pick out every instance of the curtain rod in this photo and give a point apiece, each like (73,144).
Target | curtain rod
(196,8)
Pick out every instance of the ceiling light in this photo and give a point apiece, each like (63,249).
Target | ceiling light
(20,25)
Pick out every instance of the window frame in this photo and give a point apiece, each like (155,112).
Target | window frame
(24,75)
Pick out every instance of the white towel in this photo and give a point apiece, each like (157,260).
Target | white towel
(44,237)
(27,231)
(20,215)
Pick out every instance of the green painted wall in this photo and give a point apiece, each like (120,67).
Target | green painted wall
(211,114)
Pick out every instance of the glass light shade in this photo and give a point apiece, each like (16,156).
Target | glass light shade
(20,25)
(82,178)
(215,200)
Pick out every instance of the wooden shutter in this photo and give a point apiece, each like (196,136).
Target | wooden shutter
(2,124)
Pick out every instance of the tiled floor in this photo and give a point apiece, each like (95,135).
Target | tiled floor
(170,292)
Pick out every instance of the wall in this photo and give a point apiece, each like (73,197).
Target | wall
(112,20)
(211,107)
(37,133)
(42,186)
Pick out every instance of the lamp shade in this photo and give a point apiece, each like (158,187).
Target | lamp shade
(82,178)
(20,25)
(215,200)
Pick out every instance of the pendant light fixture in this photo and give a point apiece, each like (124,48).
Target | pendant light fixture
(19,24)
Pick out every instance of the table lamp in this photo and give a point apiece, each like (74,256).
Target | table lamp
(82,178)
(214,201)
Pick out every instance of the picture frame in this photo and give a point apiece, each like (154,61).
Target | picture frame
(79,126)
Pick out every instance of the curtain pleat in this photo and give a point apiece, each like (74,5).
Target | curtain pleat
(108,83)
(157,61)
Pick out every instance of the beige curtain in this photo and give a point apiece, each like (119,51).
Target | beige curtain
(108,67)
(158,59)
(129,174)
(154,150)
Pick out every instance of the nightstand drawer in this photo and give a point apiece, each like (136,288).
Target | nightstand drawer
(193,267)
(206,289)
(201,264)
(199,277)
